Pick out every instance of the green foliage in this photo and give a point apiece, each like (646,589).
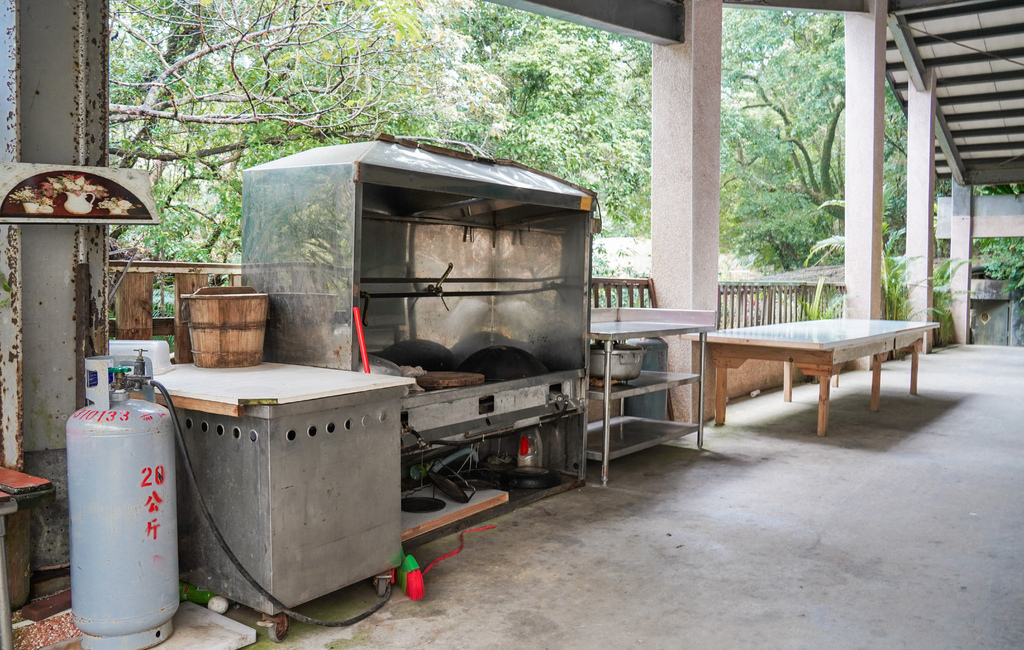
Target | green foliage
(200,91)
(6,289)
(943,297)
(895,292)
(783,107)
(782,133)
(827,303)
(573,101)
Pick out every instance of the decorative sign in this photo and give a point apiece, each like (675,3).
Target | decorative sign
(61,194)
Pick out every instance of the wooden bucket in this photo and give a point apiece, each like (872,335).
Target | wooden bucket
(226,325)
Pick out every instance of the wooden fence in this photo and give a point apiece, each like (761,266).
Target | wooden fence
(150,288)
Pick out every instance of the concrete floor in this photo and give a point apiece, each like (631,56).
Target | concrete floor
(901,529)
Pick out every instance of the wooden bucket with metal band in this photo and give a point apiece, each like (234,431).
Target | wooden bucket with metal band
(227,326)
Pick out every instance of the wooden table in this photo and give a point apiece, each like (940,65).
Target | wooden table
(818,348)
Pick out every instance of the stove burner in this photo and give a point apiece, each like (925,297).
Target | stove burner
(422,504)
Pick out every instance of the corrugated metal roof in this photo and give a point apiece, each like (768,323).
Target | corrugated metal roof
(977,51)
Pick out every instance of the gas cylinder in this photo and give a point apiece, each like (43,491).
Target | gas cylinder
(124,532)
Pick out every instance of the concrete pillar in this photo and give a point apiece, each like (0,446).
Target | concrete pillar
(685,169)
(865,125)
(921,198)
(961,236)
(62,118)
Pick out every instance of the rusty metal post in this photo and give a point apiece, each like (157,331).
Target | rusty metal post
(10,255)
(16,542)
(61,118)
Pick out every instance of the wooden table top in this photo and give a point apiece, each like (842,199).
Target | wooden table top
(834,334)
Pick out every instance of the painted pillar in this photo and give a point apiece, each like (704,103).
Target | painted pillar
(685,170)
(921,198)
(62,113)
(865,125)
(961,236)
(11,394)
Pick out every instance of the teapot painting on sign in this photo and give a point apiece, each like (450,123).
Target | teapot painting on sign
(56,194)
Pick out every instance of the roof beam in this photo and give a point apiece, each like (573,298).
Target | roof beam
(989,133)
(948,147)
(908,50)
(919,10)
(978,98)
(990,77)
(973,79)
(992,162)
(995,176)
(916,69)
(987,146)
(923,39)
(975,57)
(986,115)
(825,6)
(657,21)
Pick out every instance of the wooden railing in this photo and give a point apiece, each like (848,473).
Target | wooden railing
(622,292)
(745,304)
(740,304)
(148,299)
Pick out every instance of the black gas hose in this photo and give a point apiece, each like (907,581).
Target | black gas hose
(208,516)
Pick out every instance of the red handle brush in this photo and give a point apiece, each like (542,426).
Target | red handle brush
(362,341)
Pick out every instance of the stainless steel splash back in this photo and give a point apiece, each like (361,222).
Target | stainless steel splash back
(298,245)
(524,287)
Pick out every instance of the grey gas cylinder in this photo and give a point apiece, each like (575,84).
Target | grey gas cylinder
(124,529)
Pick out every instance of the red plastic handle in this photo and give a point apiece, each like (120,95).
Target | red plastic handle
(362,341)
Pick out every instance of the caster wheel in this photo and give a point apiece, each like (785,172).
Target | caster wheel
(381,582)
(277,626)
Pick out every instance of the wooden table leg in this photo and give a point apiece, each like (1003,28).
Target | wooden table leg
(876,380)
(915,351)
(787,381)
(721,392)
(823,388)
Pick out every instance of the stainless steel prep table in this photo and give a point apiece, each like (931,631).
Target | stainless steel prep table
(633,434)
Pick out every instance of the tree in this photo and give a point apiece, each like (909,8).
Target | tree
(203,88)
(782,129)
(572,101)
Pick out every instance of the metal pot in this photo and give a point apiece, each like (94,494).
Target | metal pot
(627,361)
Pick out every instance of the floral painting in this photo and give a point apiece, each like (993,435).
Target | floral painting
(72,194)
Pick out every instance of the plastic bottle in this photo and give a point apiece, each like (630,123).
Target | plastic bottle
(194,594)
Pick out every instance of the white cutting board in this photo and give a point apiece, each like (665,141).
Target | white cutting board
(271,383)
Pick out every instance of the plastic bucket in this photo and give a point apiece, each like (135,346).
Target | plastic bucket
(227,326)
